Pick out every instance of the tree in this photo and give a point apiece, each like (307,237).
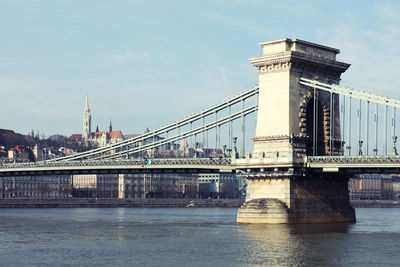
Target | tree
(56,140)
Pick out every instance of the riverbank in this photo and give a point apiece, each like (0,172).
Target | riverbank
(375,203)
(156,203)
(119,203)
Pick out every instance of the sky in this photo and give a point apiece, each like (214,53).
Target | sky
(149,63)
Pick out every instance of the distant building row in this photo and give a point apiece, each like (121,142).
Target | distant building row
(169,185)
(165,185)
(374,187)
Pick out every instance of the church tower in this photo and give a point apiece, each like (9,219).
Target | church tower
(87,121)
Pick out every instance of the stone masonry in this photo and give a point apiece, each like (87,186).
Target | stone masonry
(280,189)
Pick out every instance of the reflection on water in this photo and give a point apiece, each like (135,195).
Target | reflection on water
(190,237)
(292,245)
(272,244)
(319,228)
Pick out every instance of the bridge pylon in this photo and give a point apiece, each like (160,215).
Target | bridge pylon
(295,121)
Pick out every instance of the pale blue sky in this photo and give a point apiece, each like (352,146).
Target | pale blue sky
(147,63)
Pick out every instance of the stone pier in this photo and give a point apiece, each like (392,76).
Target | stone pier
(297,200)
(295,121)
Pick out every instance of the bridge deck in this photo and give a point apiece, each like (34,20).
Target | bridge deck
(388,164)
(116,166)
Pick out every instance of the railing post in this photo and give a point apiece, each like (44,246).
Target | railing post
(243,130)
(376,130)
(385,131)
(191,136)
(344,123)
(315,119)
(219,136)
(216,131)
(204,132)
(167,139)
(330,123)
(207,139)
(367,130)
(229,129)
(394,137)
(349,129)
(359,130)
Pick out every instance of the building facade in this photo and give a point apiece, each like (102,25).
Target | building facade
(18,153)
(218,185)
(371,186)
(163,185)
(50,186)
(95,185)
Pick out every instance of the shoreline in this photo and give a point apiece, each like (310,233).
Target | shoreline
(375,203)
(120,203)
(157,203)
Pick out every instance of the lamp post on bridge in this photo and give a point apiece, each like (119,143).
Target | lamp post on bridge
(127,152)
(394,137)
(224,149)
(235,153)
(394,150)
(229,152)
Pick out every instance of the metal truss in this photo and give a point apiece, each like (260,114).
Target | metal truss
(179,136)
(346,91)
(130,146)
(346,116)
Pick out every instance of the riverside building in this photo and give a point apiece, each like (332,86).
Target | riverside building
(51,186)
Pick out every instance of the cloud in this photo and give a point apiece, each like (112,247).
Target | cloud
(373,52)
(12,85)
(386,10)
(130,56)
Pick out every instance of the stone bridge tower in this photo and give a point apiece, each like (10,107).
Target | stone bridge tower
(280,188)
(284,123)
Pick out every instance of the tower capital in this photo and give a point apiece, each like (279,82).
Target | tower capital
(301,56)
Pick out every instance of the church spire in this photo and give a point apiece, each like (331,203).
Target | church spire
(110,127)
(87,121)
(87,109)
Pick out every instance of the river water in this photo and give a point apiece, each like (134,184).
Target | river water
(191,237)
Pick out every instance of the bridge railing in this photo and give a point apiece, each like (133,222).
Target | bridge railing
(353,159)
(125,162)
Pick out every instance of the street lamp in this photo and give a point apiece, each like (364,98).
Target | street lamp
(235,148)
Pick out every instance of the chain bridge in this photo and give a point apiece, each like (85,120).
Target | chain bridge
(311,135)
